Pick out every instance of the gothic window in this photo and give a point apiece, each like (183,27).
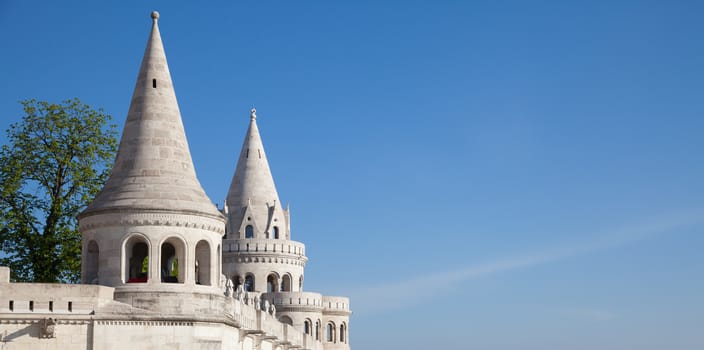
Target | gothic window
(91,264)
(308,327)
(286,283)
(202,268)
(218,263)
(272,281)
(276,232)
(330,333)
(342,333)
(249,231)
(136,260)
(300,283)
(249,283)
(317,330)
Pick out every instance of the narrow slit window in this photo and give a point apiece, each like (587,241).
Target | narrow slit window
(247,156)
(154,83)
(70,306)
(260,153)
(31,305)
(12,305)
(51,306)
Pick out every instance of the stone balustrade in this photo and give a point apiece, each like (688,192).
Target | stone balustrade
(262,246)
(331,303)
(288,300)
(53,298)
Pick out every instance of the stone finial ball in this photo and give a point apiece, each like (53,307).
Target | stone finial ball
(155,15)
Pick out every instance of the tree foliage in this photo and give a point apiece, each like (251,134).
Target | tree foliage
(55,161)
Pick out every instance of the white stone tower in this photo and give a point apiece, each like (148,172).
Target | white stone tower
(152,232)
(259,253)
(260,256)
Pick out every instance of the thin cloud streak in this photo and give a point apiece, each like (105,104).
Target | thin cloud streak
(400,294)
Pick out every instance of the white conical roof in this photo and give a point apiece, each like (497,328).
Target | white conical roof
(253,185)
(153,169)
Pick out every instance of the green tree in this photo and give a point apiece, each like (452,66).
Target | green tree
(55,161)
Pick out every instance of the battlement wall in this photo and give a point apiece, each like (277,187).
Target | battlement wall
(287,300)
(332,303)
(53,298)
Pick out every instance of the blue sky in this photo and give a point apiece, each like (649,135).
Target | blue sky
(474,174)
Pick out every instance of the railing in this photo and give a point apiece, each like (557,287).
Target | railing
(336,303)
(258,245)
(294,299)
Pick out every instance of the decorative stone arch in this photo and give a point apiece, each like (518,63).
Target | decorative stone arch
(91,263)
(286,282)
(203,263)
(272,282)
(136,263)
(172,260)
(330,332)
(287,320)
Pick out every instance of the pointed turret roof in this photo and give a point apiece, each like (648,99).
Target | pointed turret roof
(253,183)
(153,169)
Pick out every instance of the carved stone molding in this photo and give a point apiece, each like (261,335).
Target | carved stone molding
(152,219)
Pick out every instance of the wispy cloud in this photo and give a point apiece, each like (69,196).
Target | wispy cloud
(399,294)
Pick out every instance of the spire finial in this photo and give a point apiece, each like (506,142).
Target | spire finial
(253,114)
(155,15)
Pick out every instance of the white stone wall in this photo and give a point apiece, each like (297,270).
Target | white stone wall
(126,334)
(96,321)
(26,334)
(114,232)
(262,257)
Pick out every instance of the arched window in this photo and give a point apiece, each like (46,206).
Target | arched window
(317,330)
(300,283)
(272,282)
(236,282)
(91,264)
(330,333)
(287,320)
(308,327)
(286,283)
(249,283)
(203,263)
(218,263)
(249,231)
(169,263)
(136,260)
(342,333)
(276,232)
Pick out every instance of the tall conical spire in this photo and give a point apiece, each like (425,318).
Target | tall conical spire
(253,185)
(153,169)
